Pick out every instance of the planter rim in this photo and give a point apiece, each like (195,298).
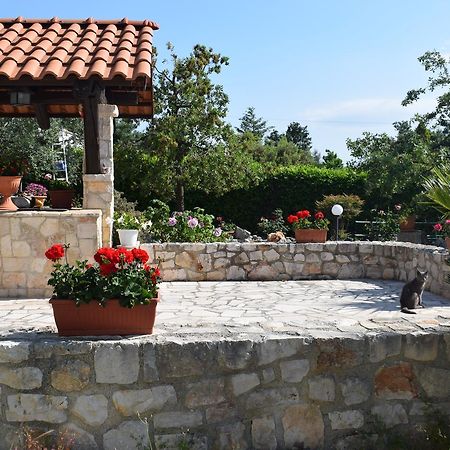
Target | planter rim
(68,300)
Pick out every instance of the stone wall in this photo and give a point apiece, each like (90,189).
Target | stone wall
(26,235)
(253,393)
(266,261)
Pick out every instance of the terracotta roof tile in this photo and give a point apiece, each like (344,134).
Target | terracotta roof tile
(58,48)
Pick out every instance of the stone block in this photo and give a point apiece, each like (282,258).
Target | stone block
(235,355)
(263,434)
(235,273)
(354,391)
(336,353)
(390,414)
(382,346)
(21,378)
(178,419)
(207,392)
(181,441)
(330,268)
(395,382)
(299,257)
(268,375)
(263,272)
(91,409)
(80,439)
(185,260)
(149,363)
(342,259)
(303,427)
(273,349)
(71,375)
(131,435)
(271,255)
(116,363)
(434,381)
(421,347)
(322,388)
(36,407)
(345,420)
(232,436)
(326,256)
(294,371)
(312,258)
(130,403)
(269,398)
(220,413)
(244,382)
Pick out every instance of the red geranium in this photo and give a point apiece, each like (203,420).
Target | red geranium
(55,252)
(106,255)
(319,215)
(107,269)
(140,255)
(124,255)
(303,214)
(292,218)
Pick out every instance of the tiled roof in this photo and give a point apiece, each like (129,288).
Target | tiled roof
(57,49)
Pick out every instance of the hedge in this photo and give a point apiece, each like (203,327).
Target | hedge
(289,188)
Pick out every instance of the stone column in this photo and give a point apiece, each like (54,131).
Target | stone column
(98,189)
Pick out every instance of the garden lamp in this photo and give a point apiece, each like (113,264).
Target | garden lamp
(337,211)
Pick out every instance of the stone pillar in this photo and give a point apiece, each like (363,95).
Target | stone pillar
(98,189)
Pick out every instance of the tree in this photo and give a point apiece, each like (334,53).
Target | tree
(299,135)
(252,124)
(393,164)
(332,161)
(189,112)
(274,137)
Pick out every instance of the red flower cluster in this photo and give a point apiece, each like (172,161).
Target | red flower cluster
(304,214)
(109,258)
(319,215)
(55,252)
(292,218)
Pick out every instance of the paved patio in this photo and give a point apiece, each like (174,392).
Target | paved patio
(297,307)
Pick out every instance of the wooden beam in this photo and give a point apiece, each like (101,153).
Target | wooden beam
(91,144)
(42,116)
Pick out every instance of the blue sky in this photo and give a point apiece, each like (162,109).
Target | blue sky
(339,67)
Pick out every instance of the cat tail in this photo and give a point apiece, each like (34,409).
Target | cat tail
(407,311)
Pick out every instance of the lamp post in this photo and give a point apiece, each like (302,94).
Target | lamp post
(337,211)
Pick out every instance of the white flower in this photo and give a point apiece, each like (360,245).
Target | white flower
(121,219)
(147,225)
(109,220)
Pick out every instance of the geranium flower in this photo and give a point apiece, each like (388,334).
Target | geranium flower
(107,269)
(304,214)
(217,231)
(437,227)
(172,221)
(319,215)
(192,222)
(124,255)
(106,255)
(292,218)
(55,252)
(140,255)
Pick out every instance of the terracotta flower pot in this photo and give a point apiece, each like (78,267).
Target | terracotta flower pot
(91,319)
(39,200)
(408,223)
(61,198)
(447,242)
(310,235)
(9,185)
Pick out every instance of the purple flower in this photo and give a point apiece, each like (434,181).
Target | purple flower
(172,221)
(217,231)
(192,222)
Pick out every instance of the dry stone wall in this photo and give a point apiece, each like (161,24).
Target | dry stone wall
(266,261)
(26,235)
(275,392)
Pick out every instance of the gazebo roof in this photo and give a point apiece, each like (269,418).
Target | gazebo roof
(53,60)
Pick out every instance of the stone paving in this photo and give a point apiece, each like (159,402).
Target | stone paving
(295,307)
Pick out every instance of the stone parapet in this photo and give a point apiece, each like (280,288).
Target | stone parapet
(243,391)
(26,235)
(271,261)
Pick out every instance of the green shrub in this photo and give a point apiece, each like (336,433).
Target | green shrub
(275,222)
(287,188)
(383,226)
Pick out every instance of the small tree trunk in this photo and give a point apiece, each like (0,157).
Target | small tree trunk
(179,195)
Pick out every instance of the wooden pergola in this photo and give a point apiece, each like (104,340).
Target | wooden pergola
(66,68)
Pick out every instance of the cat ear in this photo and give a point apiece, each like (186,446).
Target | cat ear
(418,272)
(425,273)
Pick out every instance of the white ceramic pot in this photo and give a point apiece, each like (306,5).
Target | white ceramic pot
(128,238)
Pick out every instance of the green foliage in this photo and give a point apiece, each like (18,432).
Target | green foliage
(186,226)
(189,113)
(299,136)
(252,124)
(286,188)
(352,205)
(437,189)
(392,164)
(332,161)
(131,221)
(275,222)
(383,226)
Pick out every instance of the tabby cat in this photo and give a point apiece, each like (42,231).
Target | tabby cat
(411,297)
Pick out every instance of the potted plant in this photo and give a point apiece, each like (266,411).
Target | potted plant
(12,168)
(115,296)
(128,226)
(37,192)
(443,230)
(61,193)
(308,228)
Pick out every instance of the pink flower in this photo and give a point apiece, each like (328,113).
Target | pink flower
(437,227)
(447,222)
(192,222)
